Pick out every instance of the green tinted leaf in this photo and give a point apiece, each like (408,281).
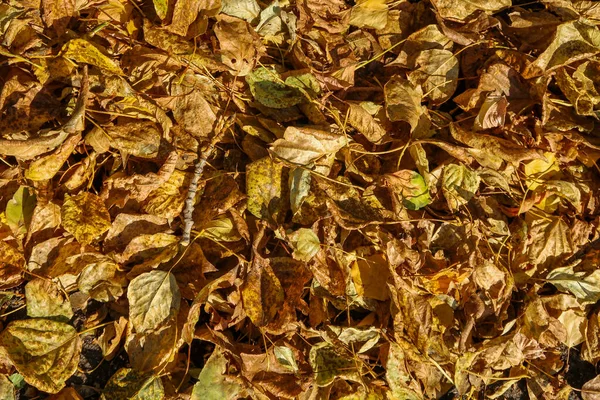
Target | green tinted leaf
(213,383)
(126,384)
(268,89)
(459,185)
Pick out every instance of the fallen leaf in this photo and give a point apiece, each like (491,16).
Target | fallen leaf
(45,364)
(127,384)
(459,185)
(153,298)
(85,216)
(45,300)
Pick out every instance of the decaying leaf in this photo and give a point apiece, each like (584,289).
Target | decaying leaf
(459,185)
(45,364)
(262,294)
(85,217)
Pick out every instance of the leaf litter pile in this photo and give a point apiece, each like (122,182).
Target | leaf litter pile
(225,199)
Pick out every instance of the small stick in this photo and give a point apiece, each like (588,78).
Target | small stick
(188,211)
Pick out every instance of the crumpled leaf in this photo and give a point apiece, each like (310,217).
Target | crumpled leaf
(305,145)
(460,10)
(45,364)
(153,298)
(586,287)
(127,384)
(403,103)
(45,300)
(82,51)
(99,280)
(261,291)
(437,74)
(459,185)
(365,123)
(239,45)
(85,216)
(140,139)
(408,188)
(574,40)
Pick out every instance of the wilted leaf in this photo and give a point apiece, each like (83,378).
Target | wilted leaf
(285,356)
(437,74)
(299,187)
(408,188)
(46,167)
(327,364)
(58,13)
(403,103)
(98,280)
(459,10)
(370,275)
(269,90)
(370,14)
(584,286)
(364,122)
(548,239)
(262,294)
(244,9)
(459,185)
(591,389)
(7,390)
(140,139)
(574,40)
(85,216)
(239,46)
(19,209)
(153,298)
(46,364)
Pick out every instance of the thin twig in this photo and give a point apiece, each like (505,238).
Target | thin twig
(188,222)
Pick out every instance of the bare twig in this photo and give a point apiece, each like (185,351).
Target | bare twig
(188,211)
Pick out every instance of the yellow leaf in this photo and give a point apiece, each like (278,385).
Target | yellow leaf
(82,51)
(85,216)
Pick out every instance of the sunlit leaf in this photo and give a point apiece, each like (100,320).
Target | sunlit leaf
(153,297)
(305,244)
(459,185)
(85,216)
(45,300)
(213,383)
(80,50)
(586,287)
(45,364)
